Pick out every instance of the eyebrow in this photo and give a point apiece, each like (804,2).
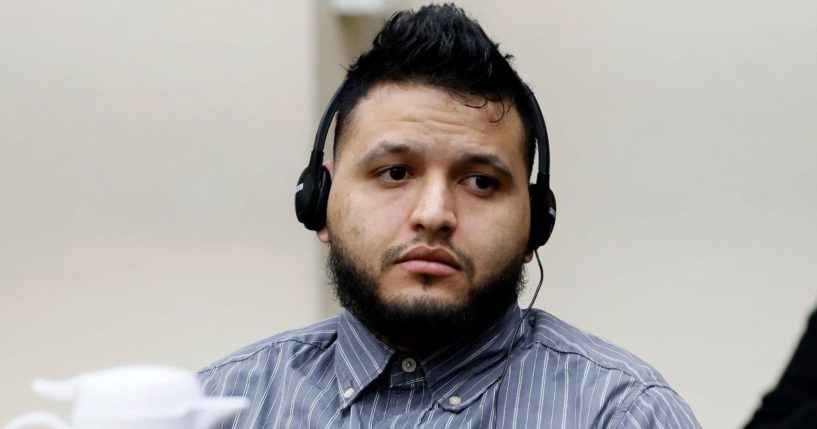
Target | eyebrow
(387,148)
(486,159)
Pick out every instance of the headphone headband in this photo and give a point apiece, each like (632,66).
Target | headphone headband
(540,132)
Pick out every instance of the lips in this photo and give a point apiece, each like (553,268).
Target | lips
(429,261)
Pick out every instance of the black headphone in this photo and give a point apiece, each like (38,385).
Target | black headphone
(312,192)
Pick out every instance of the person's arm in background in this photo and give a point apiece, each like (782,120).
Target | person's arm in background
(793,402)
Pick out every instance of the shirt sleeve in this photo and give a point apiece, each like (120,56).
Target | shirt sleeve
(793,402)
(659,408)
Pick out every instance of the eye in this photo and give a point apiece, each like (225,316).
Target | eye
(482,184)
(393,174)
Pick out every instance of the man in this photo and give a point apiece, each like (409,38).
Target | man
(428,224)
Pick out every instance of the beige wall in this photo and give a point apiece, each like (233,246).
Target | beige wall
(148,155)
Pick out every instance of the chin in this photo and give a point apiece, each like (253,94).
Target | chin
(421,300)
(434,292)
(418,310)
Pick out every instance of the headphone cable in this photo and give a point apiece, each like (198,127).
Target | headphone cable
(516,332)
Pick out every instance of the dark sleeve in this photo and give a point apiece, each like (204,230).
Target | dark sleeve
(793,402)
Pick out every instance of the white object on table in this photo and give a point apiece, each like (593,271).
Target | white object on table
(132,397)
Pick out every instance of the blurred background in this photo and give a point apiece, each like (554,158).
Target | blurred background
(149,153)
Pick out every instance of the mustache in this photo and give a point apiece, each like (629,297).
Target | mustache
(392,253)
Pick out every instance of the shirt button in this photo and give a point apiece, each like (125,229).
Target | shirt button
(409,365)
(455,400)
(348,393)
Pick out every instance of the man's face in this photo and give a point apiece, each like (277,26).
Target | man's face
(429,195)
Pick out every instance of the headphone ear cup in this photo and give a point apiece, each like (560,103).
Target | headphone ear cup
(550,216)
(542,215)
(311,197)
(322,198)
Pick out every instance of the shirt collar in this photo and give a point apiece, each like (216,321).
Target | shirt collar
(464,369)
(359,358)
(468,367)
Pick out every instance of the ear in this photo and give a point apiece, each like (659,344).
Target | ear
(323,233)
(528,256)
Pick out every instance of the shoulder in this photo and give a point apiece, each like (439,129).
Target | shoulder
(636,392)
(560,337)
(658,407)
(258,358)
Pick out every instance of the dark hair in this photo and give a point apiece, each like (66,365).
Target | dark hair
(438,45)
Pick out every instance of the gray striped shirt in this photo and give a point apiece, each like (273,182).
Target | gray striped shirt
(336,374)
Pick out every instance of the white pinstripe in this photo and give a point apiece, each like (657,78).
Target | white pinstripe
(553,396)
(258,404)
(542,392)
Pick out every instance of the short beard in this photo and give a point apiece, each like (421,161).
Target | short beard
(424,325)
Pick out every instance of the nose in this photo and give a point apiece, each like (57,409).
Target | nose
(434,214)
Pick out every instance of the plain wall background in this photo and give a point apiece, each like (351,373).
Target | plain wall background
(148,157)
(148,154)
